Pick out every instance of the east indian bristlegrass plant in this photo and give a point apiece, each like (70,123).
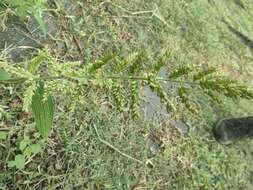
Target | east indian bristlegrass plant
(45,76)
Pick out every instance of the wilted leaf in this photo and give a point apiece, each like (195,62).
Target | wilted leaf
(43,111)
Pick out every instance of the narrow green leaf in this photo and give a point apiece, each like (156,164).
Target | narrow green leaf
(38,16)
(43,112)
(21,12)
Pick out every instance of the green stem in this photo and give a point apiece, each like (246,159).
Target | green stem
(21,80)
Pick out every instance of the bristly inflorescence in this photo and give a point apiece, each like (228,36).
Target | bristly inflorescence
(123,78)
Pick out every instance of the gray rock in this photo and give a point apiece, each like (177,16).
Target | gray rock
(22,40)
(17,41)
(151,106)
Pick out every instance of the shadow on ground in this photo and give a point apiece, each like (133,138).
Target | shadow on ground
(244,39)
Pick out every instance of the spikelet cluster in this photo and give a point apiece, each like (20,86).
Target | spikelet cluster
(122,78)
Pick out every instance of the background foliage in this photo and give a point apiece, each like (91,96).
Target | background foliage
(201,35)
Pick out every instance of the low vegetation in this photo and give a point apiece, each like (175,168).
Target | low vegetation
(70,113)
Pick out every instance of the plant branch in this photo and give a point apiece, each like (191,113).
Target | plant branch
(115,149)
(21,80)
